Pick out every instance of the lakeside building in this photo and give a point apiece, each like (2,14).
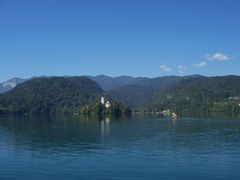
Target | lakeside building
(107,105)
(102,100)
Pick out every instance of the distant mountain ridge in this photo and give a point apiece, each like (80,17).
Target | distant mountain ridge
(108,83)
(143,92)
(10,84)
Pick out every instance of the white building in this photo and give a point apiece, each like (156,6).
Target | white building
(107,105)
(102,100)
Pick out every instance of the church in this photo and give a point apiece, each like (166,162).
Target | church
(107,104)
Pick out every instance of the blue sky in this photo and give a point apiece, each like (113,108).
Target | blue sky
(119,37)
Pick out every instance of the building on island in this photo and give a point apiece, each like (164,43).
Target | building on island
(107,105)
(102,100)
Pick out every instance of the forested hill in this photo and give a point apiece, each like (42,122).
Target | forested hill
(140,94)
(52,94)
(70,94)
(201,94)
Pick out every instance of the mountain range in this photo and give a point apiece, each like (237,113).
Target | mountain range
(106,82)
(180,94)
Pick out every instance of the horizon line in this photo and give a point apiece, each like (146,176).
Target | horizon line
(119,76)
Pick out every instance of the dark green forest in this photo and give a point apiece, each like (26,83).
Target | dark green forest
(82,95)
(202,94)
(49,95)
(117,109)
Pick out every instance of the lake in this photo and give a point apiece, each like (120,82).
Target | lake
(128,148)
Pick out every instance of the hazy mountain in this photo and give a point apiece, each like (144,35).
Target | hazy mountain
(53,94)
(108,83)
(132,95)
(143,91)
(10,84)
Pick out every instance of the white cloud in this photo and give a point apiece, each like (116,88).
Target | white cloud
(165,68)
(201,64)
(182,69)
(217,57)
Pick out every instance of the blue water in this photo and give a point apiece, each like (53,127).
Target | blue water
(108,148)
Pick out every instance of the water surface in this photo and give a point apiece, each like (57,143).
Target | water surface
(108,148)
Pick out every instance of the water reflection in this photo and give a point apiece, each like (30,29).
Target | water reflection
(174,123)
(52,133)
(108,147)
(105,126)
(77,134)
